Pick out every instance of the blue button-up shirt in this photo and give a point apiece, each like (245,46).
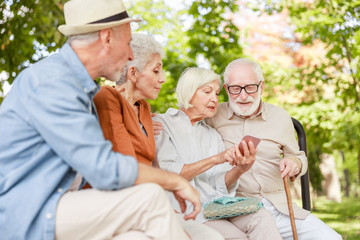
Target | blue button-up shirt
(48,132)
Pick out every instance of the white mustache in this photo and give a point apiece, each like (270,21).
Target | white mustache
(247,100)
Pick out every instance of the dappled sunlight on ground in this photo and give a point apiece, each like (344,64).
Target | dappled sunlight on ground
(344,217)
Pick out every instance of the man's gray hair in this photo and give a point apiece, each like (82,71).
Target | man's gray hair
(243,61)
(83,39)
(143,47)
(191,80)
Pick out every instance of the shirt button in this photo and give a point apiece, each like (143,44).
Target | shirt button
(60,190)
(48,215)
(85,89)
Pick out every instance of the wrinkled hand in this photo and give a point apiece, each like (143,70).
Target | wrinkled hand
(189,193)
(290,166)
(228,155)
(234,157)
(244,163)
(156,125)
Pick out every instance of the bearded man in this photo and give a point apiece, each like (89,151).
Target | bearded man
(277,155)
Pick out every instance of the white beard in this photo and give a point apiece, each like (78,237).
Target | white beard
(245,111)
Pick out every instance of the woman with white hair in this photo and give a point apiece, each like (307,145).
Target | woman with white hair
(188,146)
(125,115)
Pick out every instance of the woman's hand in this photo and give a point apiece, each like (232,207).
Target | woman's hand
(226,156)
(231,155)
(157,126)
(234,157)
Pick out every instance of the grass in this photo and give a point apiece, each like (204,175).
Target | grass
(343,217)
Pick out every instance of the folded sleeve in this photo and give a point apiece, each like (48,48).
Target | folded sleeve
(217,180)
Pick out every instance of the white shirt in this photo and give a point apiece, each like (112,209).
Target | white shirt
(182,143)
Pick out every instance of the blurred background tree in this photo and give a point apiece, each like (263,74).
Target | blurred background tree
(27,34)
(325,71)
(309,52)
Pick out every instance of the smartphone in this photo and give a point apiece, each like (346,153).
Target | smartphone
(248,138)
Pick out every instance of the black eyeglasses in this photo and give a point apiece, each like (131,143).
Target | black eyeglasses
(236,89)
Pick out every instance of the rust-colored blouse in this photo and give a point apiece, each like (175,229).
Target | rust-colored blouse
(121,125)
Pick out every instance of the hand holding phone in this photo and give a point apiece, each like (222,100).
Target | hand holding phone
(248,138)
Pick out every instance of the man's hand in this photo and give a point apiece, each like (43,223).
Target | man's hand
(172,182)
(187,192)
(290,166)
(244,163)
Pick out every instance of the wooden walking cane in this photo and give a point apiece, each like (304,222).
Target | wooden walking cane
(289,202)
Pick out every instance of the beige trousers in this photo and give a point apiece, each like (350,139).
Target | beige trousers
(199,231)
(139,212)
(256,226)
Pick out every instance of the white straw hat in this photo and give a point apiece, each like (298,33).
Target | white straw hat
(85,16)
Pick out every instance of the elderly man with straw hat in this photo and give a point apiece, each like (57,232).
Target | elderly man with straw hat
(51,141)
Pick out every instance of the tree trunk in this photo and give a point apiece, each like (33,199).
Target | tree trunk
(346,176)
(359,165)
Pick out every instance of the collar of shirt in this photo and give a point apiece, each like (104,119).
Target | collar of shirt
(89,85)
(261,113)
(173,112)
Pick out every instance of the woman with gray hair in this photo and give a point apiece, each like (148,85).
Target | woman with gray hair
(188,146)
(125,115)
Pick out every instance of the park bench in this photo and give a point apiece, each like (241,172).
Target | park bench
(305,185)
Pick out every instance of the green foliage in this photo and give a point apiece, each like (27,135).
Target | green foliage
(314,160)
(28,32)
(342,217)
(317,123)
(336,24)
(164,23)
(213,35)
(351,167)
